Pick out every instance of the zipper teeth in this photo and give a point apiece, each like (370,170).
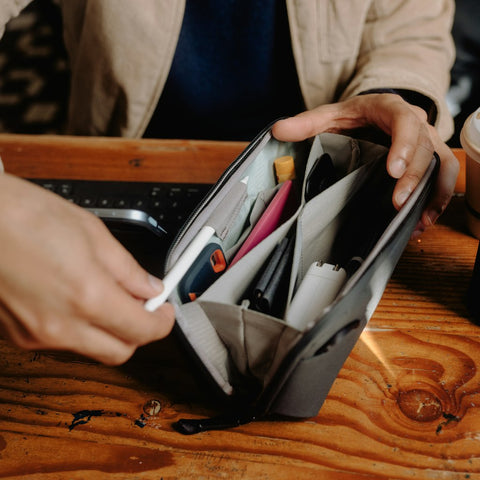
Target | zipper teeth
(212,192)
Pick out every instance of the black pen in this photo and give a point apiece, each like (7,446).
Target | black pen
(321,176)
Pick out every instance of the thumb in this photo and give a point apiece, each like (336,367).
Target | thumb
(131,276)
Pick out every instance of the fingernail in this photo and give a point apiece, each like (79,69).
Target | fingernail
(402,197)
(432,215)
(398,167)
(155,282)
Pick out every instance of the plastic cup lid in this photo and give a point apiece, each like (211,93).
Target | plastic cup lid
(473,128)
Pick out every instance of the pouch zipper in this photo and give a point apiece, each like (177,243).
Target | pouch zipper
(191,426)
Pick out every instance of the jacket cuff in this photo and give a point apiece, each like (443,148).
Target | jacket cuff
(414,98)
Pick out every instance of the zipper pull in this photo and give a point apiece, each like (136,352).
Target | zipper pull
(190,426)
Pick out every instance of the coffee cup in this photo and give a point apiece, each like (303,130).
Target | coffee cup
(470,140)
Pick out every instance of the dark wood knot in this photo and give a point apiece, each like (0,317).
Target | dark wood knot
(419,405)
(136,162)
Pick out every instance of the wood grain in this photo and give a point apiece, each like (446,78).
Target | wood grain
(405,405)
(97,158)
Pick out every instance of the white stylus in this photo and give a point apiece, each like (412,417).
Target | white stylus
(216,223)
(173,277)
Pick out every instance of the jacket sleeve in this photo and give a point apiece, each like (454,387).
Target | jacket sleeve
(407,45)
(10,9)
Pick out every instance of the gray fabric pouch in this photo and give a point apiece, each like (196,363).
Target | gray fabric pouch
(285,364)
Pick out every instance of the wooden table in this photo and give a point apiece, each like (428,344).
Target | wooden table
(405,405)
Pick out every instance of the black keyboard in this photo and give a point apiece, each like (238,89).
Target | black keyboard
(160,207)
(143,216)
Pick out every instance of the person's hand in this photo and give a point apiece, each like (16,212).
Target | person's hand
(66,283)
(412,147)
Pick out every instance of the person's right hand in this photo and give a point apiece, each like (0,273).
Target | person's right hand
(66,283)
(413,143)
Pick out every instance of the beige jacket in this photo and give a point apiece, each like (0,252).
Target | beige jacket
(121,52)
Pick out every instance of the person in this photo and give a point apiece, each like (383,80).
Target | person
(142,67)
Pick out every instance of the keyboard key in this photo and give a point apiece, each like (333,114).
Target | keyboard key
(121,203)
(49,186)
(105,202)
(157,204)
(175,192)
(87,202)
(193,192)
(140,203)
(155,191)
(65,189)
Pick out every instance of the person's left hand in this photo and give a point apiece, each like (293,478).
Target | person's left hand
(412,147)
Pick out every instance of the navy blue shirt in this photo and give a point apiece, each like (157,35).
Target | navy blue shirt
(233,72)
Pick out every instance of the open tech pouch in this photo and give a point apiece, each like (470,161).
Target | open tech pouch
(272,330)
